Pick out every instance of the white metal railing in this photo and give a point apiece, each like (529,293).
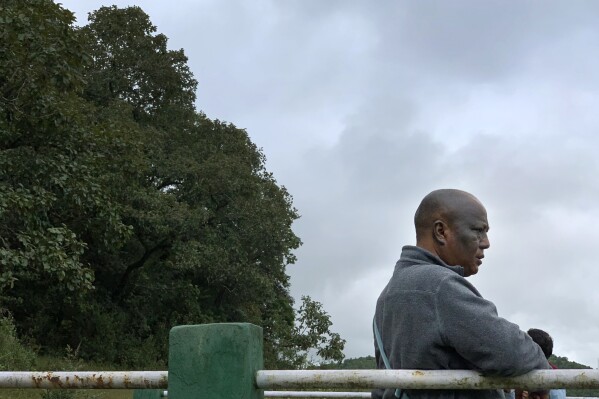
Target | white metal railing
(316,394)
(84,379)
(421,379)
(322,394)
(312,379)
(347,395)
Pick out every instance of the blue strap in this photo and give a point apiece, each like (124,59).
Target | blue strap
(379,344)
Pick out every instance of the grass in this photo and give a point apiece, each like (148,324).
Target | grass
(16,356)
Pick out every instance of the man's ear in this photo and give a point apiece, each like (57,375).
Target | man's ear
(440,231)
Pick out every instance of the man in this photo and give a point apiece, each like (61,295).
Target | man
(430,318)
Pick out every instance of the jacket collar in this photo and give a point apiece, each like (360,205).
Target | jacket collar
(411,255)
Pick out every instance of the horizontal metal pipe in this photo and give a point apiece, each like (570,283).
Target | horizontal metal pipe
(315,394)
(311,379)
(307,394)
(84,379)
(423,379)
(347,395)
(321,394)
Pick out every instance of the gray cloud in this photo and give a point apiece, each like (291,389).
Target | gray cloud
(475,41)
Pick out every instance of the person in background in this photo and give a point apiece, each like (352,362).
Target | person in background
(544,340)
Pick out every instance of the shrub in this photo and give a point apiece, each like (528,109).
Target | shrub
(14,356)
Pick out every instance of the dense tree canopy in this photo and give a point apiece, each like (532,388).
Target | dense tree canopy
(123,210)
(52,189)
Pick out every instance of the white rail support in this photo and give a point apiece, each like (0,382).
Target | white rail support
(84,379)
(423,379)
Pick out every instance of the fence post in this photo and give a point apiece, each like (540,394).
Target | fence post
(215,361)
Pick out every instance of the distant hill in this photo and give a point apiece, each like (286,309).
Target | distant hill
(564,363)
(368,362)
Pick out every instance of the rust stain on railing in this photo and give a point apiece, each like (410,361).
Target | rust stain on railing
(85,379)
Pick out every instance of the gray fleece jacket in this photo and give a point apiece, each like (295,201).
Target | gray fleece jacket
(431,318)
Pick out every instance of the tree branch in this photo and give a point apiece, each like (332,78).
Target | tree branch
(118,292)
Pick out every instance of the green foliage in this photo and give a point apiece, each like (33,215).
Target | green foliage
(564,363)
(365,362)
(51,189)
(131,63)
(13,354)
(310,336)
(123,210)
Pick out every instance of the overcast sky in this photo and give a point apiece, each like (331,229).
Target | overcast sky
(362,108)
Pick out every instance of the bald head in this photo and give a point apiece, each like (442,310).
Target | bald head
(452,224)
(442,204)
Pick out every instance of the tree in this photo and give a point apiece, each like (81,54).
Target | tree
(219,221)
(124,210)
(131,63)
(310,341)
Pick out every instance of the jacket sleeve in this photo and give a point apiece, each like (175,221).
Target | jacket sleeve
(470,324)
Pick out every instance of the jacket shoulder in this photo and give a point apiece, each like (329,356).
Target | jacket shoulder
(427,277)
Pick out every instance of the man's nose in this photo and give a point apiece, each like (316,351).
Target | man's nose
(485,243)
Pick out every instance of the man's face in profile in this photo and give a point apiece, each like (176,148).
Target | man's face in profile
(467,237)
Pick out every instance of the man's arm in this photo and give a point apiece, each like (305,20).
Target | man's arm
(470,324)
